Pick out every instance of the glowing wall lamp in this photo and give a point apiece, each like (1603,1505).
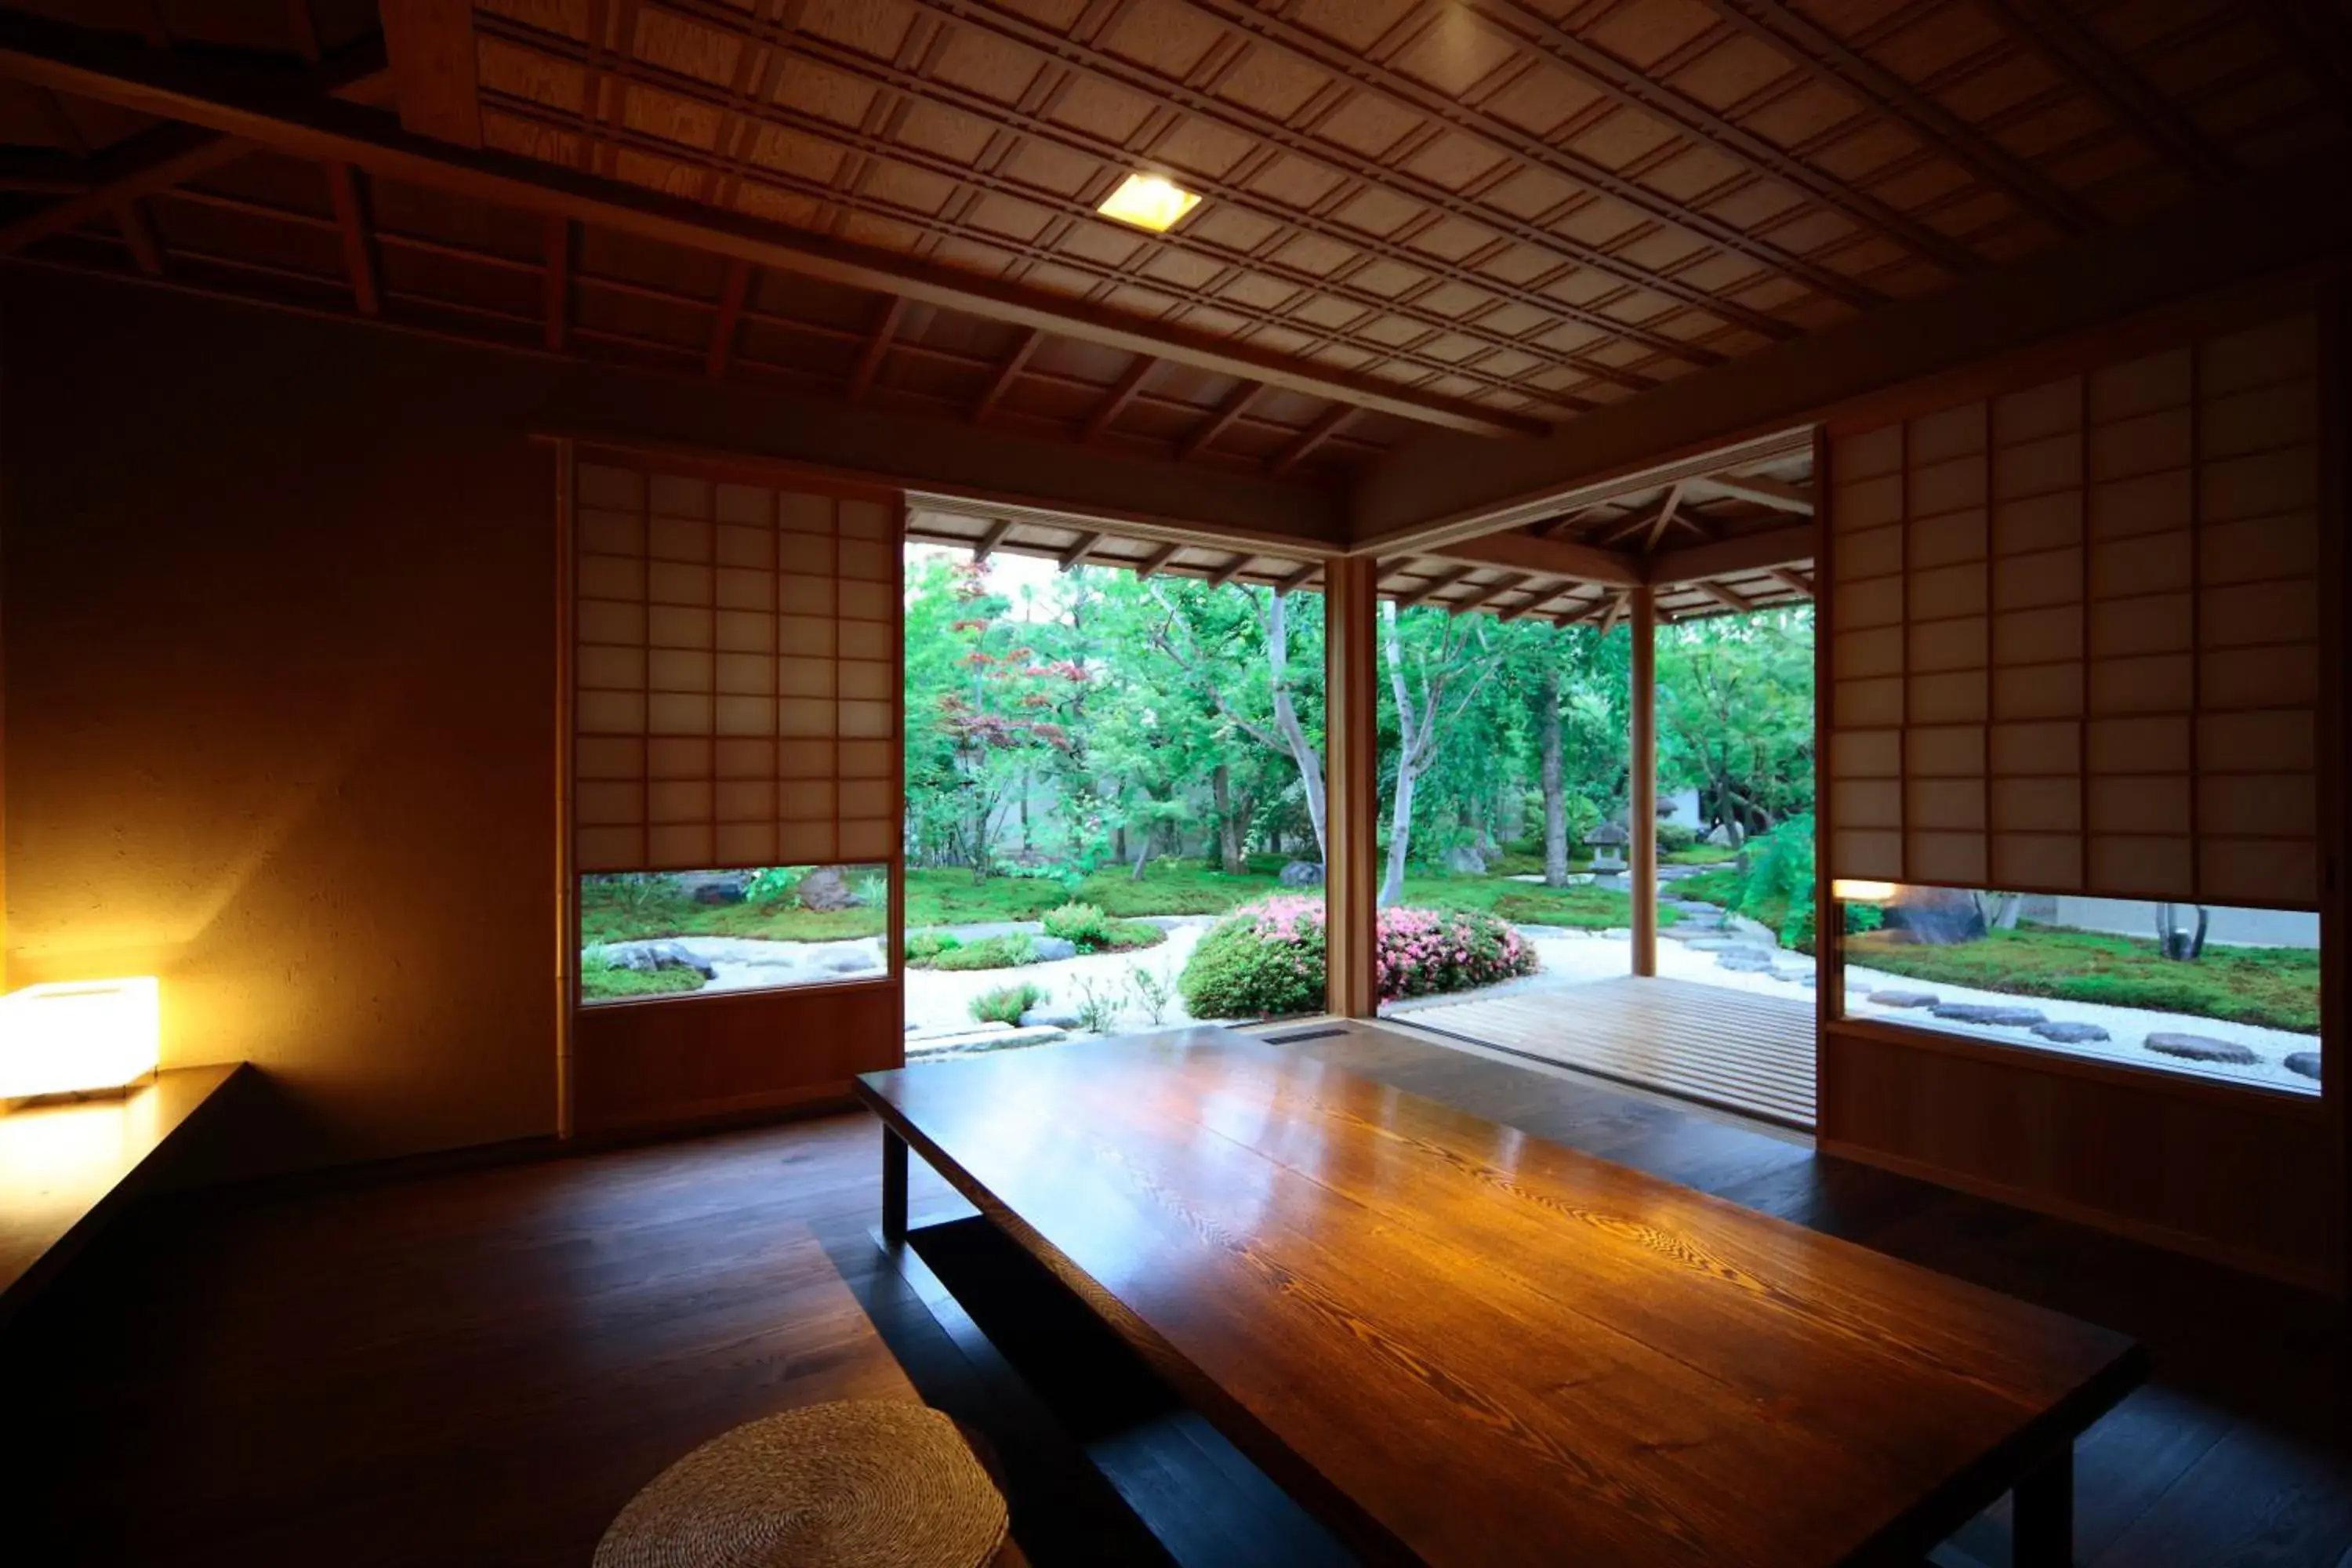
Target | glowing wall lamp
(78,1036)
(1847,892)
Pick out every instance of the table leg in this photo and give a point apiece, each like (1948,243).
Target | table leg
(2042,1513)
(894,1186)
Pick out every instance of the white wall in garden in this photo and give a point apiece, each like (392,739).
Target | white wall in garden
(2230,927)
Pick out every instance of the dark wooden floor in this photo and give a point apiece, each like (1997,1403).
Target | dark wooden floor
(480,1368)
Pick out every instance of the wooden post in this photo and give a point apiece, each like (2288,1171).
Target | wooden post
(1351,773)
(1642,825)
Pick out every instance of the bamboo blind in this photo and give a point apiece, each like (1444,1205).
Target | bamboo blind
(2076,641)
(736,668)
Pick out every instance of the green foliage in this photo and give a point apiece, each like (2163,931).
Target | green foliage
(2276,988)
(601,980)
(1083,926)
(1780,888)
(1674,836)
(1006,1003)
(772,884)
(1265,961)
(1097,1010)
(873,890)
(634,908)
(1701,854)
(1152,991)
(987,953)
(923,946)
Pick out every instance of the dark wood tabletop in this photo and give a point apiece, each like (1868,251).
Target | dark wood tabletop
(1460,1344)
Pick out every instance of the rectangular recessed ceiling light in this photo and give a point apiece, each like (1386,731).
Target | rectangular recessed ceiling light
(1148,201)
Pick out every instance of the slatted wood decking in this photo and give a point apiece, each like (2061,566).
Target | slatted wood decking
(1750,1053)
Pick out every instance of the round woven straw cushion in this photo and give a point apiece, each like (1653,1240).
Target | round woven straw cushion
(862,1484)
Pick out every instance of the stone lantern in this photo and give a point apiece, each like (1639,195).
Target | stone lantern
(1608,844)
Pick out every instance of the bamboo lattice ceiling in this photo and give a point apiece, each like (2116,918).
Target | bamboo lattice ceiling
(1483,214)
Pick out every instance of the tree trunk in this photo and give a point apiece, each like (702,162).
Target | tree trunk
(1309,761)
(1399,837)
(1554,792)
(1229,829)
(1028,843)
(1142,854)
(1408,743)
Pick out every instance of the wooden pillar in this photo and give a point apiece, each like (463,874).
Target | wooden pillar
(1352,739)
(1641,824)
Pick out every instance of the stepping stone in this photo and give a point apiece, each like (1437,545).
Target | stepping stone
(2202,1049)
(1744,961)
(1809,980)
(1721,944)
(1985,1013)
(2304,1062)
(2072,1034)
(1903,998)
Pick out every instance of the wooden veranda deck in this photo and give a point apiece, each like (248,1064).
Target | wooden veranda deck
(1750,1053)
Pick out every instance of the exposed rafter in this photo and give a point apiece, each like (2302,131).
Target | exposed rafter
(1764,492)
(555,302)
(430,46)
(1543,593)
(1107,413)
(1298,579)
(990,540)
(877,349)
(1795,582)
(359,244)
(138,234)
(1076,555)
(1233,408)
(1313,437)
(1229,571)
(732,290)
(1544,557)
(1433,587)
(1479,598)
(1738,602)
(1793,546)
(1157,561)
(1006,374)
(111,70)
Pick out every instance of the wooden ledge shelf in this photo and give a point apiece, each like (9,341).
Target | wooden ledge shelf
(63,1167)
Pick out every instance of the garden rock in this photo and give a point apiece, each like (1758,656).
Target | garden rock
(2304,1062)
(1033,1019)
(1744,961)
(1464,860)
(1937,917)
(1717,943)
(1302,874)
(714,887)
(1052,948)
(1989,1013)
(2070,1034)
(844,959)
(1904,999)
(647,957)
(824,889)
(2202,1049)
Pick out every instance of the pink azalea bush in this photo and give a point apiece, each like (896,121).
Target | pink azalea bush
(1266,959)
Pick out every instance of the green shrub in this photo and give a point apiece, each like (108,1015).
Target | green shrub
(924,947)
(1131,936)
(1097,1010)
(1674,836)
(1006,1003)
(989,953)
(601,980)
(1083,926)
(1424,952)
(1262,962)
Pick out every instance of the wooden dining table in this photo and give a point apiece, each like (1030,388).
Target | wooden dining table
(1457,1343)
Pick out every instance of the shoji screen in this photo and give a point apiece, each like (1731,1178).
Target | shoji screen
(736,672)
(2076,633)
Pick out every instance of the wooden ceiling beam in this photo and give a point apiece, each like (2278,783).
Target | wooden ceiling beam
(1738,602)
(1229,571)
(1310,438)
(1236,404)
(1795,582)
(555,286)
(1524,148)
(1298,579)
(1076,556)
(1156,561)
(878,348)
(1696,563)
(733,289)
(1543,593)
(430,45)
(1632,87)
(1617,607)
(990,540)
(114,70)
(1765,492)
(1337,163)
(1107,413)
(1006,374)
(1549,557)
(2069,44)
(1831,61)
(169,155)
